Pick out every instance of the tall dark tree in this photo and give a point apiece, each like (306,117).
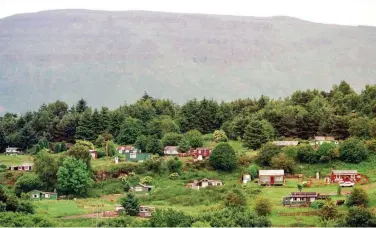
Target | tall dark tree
(81,106)
(187,117)
(130,130)
(85,129)
(98,128)
(254,135)
(27,136)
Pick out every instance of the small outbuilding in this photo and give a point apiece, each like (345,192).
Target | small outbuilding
(171,150)
(286,143)
(137,157)
(246,178)
(23,167)
(145,211)
(40,195)
(13,151)
(345,175)
(272,177)
(94,154)
(142,188)
(302,198)
(197,184)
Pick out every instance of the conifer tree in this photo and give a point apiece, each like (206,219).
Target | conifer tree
(85,130)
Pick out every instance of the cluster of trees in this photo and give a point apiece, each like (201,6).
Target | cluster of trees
(341,112)
(11,203)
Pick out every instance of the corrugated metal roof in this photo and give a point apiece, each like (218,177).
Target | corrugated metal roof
(339,172)
(286,143)
(280,172)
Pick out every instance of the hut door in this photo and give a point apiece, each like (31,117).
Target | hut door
(271,180)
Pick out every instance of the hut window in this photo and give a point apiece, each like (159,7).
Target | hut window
(47,195)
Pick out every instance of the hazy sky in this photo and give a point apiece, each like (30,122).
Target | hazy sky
(346,12)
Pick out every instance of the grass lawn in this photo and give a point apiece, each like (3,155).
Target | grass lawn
(15,159)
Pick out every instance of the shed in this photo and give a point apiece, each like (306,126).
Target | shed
(137,157)
(203,183)
(145,211)
(141,188)
(171,150)
(271,177)
(94,154)
(40,195)
(286,143)
(344,175)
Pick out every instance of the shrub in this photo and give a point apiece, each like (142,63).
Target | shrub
(291,151)
(27,183)
(352,150)
(317,204)
(307,154)
(266,153)
(281,161)
(130,204)
(360,217)
(219,136)
(174,165)
(208,137)
(174,176)
(358,197)
(253,170)
(184,145)
(328,210)
(170,218)
(371,145)
(171,139)
(201,224)
(326,152)
(263,206)
(194,138)
(57,147)
(235,198)
(223,157)
(146,180)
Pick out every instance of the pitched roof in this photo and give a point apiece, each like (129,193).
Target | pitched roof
(27,164)
(125,147)
(342,172)
(324,138)
(280,172)
(306,194)
(286,143)
(171,148)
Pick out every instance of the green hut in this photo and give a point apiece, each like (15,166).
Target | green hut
(39,195)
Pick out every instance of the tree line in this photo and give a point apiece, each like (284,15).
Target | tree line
(341,112)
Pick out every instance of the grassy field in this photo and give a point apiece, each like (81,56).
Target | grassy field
(15,159)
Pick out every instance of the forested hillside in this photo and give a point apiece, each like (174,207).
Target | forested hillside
(112,57)
(341,112)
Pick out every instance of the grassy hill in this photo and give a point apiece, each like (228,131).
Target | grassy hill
(112,57)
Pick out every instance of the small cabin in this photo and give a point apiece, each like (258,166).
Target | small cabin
(286,143)
(13,151)
(271,177)
(23,167)
(302,198)
(246,178)
(345,175)
(171,150)
(145,211)
(40,195)
(197,184)
(319,140)
(200,154)
(94,154)
(141,188)
(127,149)
(137,157)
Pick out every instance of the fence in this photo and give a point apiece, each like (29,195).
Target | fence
(307,213)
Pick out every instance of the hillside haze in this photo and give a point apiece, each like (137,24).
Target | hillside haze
(112,57)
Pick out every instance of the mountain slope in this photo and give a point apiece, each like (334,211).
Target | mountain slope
(112,57)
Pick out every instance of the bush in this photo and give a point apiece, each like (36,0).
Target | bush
(208,137)
(371,146)
(317,204)
(219,136)
(147,180)
(360,217)
(291,151)
(201,224)
(174,176)
(281,161)
(171,139)
(326,152)
(174,165)
(253,170)
(130,204)
(352,150)
(358,197)
(266,153)
(170,218)
(27,183)
(194,138)
(307,154)
(223,157)
(328,210)
(235,198)
(184,145)
(263,206)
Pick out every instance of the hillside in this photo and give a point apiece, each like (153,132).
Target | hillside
(112,57)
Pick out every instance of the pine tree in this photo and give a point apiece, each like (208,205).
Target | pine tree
(153,146)
(105,119)
(81,106)
(85,130)
(97,123)
(254,136)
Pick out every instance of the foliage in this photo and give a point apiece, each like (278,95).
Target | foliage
(358,197)
(171,139)
(220,136)
(253,170)
(129,131)
(300,187)
(130,204)
(371,146)
(266,153)
(45,166)
(255,135)
(200,224)
(87,144)
(174,165)
(27,183)
(360,127)
(263,206)
(352,150)
(194,138)
(80,152)
(100,142)
(141,143)
(235,198)
(360,217)
(328,210)
(146,180)
(281,161)
(123,221)
(317,204)
(291,151)
(10,219)
(153,145)
(174,176)
(307,154)
(223,157)
(170,218)
(73,177)
(184,145)
(326,152)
